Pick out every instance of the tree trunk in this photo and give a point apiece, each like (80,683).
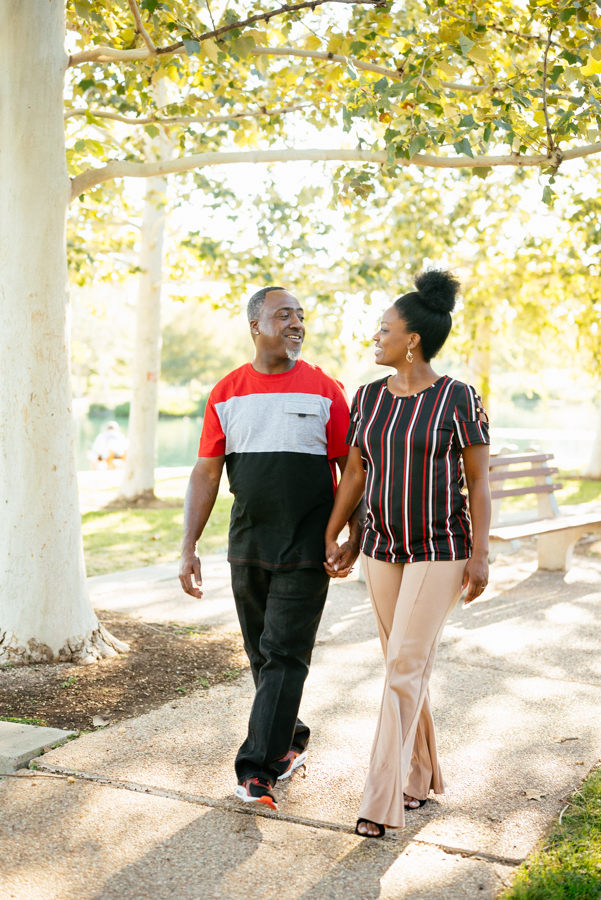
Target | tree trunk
(138,478)
(593,467)
(480,357)
(45,613)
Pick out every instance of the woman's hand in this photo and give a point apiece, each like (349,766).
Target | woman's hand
(475,577)
(340,558)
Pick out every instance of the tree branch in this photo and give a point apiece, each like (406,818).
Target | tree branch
(265,17)
(140,27)
(185,120)
(124,169)
(358,64)
(550,141)
(102,53)
(110,53)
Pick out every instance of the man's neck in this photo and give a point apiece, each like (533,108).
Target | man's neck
(266,364)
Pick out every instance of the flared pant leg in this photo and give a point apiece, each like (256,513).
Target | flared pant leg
(412,602)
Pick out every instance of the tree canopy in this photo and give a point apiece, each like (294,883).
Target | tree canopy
(445,84)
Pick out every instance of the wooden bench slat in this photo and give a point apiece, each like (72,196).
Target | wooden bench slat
(521,492)
(523,473)
(544,526)
(496,461)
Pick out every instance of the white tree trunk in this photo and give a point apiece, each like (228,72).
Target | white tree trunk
(593,467)
(138,477)
(480,358)
(45,613)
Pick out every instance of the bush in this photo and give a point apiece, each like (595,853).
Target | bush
(526,398)
(176,409)
(122,410)
(99,411)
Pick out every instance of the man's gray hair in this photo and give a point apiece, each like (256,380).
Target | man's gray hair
(257,300)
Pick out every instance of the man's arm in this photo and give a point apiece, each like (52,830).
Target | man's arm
(200,499)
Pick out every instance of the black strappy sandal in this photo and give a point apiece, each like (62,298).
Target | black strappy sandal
(421,803)
(381,829)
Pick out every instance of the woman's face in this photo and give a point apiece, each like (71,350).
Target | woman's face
(393,340)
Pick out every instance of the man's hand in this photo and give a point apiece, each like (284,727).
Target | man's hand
(340,559)
(475,577)
(189,574)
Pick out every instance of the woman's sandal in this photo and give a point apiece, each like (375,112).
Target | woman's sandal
(381,829)
(413,800)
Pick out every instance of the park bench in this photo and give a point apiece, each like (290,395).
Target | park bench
(557,534)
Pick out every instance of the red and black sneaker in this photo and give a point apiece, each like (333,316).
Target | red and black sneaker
(256,790)
(286,766)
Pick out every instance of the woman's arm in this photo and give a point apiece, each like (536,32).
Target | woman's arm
(346,509)
(475,464)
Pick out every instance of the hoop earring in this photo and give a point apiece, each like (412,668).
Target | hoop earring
(409,356)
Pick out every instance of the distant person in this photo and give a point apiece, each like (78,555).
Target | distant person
(420,547)
(279,424)
(110,445)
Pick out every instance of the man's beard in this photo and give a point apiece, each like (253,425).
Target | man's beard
(293,354)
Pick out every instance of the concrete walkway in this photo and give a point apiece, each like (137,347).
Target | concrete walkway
(148,812)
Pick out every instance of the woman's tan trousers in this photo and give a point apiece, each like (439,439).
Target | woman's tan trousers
(412,602)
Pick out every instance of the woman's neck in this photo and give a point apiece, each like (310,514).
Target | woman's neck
(412,378)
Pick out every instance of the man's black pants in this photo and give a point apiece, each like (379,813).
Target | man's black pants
(279,615)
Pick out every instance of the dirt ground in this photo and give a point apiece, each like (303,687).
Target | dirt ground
(165,661)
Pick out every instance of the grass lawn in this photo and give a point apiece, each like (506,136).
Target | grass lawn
(569,866)
(120,539)
(115,540)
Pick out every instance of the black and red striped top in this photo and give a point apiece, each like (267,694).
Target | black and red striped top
(415,491)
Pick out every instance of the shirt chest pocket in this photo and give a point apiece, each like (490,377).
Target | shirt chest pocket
(304,422)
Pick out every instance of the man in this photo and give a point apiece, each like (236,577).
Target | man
(279,424)
(110,444)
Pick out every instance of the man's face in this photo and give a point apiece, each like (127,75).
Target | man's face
(280,328)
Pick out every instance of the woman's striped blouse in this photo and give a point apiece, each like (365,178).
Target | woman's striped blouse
(415,491)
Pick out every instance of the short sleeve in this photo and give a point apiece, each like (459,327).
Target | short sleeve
(212,438)
(470,422)
(353,429)
(337,426)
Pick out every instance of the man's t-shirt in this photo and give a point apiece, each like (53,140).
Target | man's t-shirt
(280,435)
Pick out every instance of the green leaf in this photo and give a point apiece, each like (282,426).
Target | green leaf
(379,87)
(152,130)
(463,147)
(466,44)
(483,172)
(351,70)
(548,195)
(243,45)
(191,46)
(467,122)
(80,146)
(417,144)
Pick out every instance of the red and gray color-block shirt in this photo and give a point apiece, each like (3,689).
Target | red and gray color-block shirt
(280,435)
(415,490)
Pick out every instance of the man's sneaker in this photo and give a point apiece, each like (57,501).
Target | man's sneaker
(286,766)
(256,790)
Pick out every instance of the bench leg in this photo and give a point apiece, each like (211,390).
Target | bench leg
(555,550)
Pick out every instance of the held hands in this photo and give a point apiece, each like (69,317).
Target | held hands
(189,574)
(475,577)
(340,559)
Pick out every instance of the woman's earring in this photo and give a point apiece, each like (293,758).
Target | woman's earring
(409,356)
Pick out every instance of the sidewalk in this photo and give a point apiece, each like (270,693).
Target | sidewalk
(150,812)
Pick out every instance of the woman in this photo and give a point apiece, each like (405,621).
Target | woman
(420,546)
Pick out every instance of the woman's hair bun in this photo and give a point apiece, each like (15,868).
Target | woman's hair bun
(438,290)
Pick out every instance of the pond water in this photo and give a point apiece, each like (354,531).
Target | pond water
(177,440)
(565,429)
